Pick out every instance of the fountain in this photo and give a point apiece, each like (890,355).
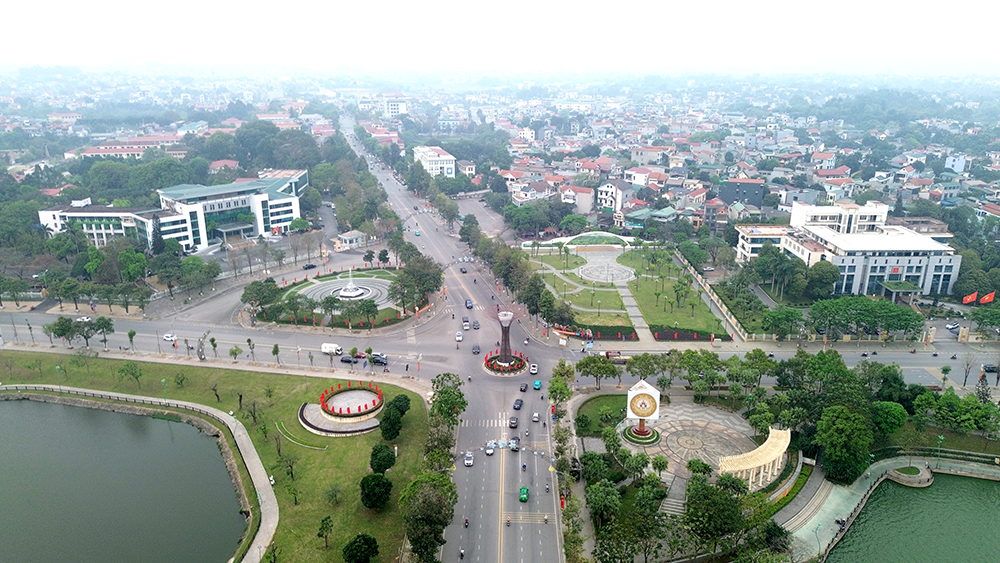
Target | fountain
(351,291)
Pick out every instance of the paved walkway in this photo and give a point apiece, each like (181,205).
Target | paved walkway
(258,475)
(634,314)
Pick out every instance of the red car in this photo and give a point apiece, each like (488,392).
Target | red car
(360,355)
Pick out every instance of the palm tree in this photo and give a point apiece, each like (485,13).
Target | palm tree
(329,304)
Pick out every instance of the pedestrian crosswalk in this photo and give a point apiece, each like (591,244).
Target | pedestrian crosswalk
(501,421)
(526,517)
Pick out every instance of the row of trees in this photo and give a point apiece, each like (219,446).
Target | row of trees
(428,501)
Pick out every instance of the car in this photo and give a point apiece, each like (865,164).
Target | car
(475,348)
(475,325)
(708,269)
(360,355)
(952,326)
(534,417)
(380,359)
(348,360)
(515,444)
(416,207)
(83,319)
(416,233)
(524,494)
(490,447)
(309,267)
(518,404)
(538,385)
(481,200)
(463,270)
(512,422)
(458,336)
(170,337)
(468,303)
(533,369)
(469,459)
(989,368)
(524,387)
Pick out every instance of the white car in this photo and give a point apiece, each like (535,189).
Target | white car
(533,369)
(490,447)
(951,326)
(170,337)
(458,336)
(708,269)
(468,459)
(83,319)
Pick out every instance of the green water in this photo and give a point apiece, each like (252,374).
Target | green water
(83,485)
(953,520)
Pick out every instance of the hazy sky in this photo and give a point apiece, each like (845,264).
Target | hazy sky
(668,37)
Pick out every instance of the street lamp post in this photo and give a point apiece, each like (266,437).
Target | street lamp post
(940,439)
(598,307)
(819,550)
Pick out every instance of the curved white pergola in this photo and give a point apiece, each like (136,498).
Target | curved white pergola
(765,460)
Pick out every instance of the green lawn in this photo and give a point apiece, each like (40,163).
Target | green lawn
(701,320)
(344,463)
(592,408)
(633,259)
(610,300)
(586,318)
(559,262)
(581,281)
(952,440)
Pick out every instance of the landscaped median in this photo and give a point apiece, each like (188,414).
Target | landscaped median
(327,471)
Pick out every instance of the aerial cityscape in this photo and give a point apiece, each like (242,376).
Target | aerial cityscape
(700,309)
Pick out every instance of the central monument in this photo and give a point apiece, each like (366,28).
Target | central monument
(351,291)
(505,318)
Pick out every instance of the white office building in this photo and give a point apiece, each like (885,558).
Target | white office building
(193,214)
(435,160)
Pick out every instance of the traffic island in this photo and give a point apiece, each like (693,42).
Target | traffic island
(631,434)
(346,410)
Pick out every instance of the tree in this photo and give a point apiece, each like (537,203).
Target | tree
(382,458)
(660,464)
(361,549)
(448,400)
(274,352)
(383,256)
(400,403)
(598,367)
(820,279)
(888,417)
(712,513)
(615,544)
(845,438)
(391,424)
(104,326)
(603,501)
(325,527)
(235,352)
(428,503)
(298,224)
(783,321)
(131,369)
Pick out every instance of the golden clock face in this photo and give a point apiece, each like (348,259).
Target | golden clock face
(643,405)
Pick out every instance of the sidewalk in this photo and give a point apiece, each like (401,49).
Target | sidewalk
(258,475)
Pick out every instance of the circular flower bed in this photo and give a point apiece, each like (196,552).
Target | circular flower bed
(357,411)
(493,364)
(634,438)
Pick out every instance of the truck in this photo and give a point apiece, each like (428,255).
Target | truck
(616,357)
(331,349)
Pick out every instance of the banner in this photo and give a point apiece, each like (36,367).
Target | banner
(988,298)
(970,297)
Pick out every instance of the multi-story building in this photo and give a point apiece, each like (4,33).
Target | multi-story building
(192,214)
(612,194)
(435,160)
(874,258)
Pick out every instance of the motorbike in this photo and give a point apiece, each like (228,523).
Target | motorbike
(864,354)
(508,521)
(526,431)
(546,487)
(466,522)
(473,281)
(524,467)
(453,316)
(954,356)
(525,341)
(935,354)
(913,351)
(470,379)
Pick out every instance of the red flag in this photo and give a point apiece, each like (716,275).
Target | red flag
(988,298)
(970,297)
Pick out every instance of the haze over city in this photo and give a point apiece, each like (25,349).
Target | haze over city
(455,37)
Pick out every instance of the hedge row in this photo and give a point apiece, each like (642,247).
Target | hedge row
(664,332)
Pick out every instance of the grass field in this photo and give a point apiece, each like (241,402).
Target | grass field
(343,464)
(610,300)
(586,318)
(592,408)
(633,259)
(701,320)
(587,283)
(559,262)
